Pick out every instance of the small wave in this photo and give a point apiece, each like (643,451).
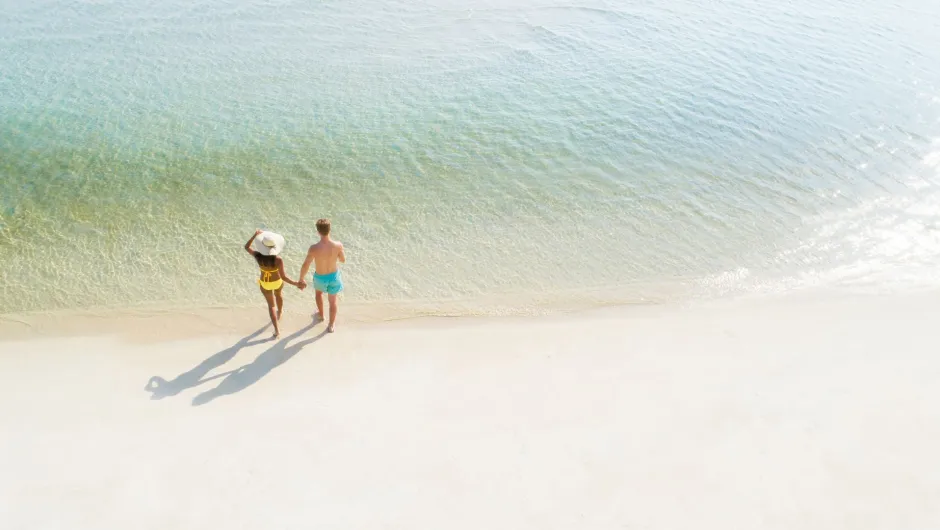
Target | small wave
(611,13)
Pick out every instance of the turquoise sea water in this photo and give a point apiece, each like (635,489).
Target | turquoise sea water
(538,151)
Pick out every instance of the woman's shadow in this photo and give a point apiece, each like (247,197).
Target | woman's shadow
(161,388)
(241,378)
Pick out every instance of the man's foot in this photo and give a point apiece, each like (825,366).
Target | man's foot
(276,335)
(331,329)
(318,317)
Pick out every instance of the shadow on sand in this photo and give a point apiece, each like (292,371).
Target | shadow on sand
(241,378)
(160,388)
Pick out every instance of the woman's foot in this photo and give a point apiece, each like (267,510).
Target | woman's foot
(331,329)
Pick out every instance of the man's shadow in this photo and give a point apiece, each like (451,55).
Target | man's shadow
(161,388)
(241,378)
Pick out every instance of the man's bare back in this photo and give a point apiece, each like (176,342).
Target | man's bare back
(326,254)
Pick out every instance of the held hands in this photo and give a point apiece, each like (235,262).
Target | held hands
(301,285)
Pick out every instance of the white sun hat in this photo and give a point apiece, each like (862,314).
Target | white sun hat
(269,243)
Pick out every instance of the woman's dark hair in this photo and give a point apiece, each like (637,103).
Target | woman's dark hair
(266,261)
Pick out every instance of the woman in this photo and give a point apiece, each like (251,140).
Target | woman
(273,277)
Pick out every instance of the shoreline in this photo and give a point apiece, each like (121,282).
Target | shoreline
(157,324)
(187,322)
(162,323)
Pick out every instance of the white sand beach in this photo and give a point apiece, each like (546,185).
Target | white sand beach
(815,412)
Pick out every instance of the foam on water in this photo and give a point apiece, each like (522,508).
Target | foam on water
(475,158)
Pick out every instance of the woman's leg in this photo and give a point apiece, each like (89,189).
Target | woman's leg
(280,301)
(269,298)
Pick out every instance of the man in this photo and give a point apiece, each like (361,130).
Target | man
(326,277)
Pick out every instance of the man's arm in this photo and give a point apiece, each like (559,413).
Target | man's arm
(342,252)
(252,240)
(305,267)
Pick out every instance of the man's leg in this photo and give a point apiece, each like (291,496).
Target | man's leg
(332,327)
(320,304)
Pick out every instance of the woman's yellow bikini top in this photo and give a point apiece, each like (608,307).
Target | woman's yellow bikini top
(266,273)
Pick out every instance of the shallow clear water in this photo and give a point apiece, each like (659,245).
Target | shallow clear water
(530,150)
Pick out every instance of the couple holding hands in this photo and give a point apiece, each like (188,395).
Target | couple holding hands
(325,254)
